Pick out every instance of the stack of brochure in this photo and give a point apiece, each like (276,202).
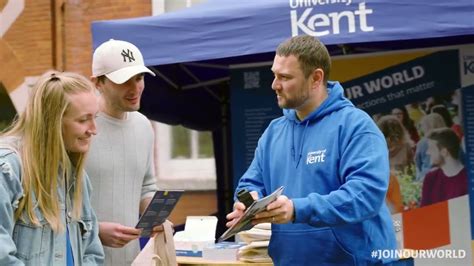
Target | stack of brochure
(257,240)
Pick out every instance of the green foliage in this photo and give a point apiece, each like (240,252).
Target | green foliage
(181,148)
(410,188)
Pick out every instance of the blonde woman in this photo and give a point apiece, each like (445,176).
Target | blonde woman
(422,160)
(46,216)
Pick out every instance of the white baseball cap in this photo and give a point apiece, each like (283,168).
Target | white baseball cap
(118,61)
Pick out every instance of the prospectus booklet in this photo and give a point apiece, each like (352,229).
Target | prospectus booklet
(245,222)
(160,207)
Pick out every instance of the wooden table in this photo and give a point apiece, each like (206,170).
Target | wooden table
(200,261)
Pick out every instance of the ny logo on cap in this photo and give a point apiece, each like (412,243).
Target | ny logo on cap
(127,54)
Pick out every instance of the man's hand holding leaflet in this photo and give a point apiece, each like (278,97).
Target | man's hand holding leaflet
(245,222)
(158,210)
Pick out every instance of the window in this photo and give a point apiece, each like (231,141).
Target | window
(184,158)
(164,6)
(190,144)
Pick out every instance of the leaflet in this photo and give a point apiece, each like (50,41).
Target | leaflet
(158,210)
(245,222)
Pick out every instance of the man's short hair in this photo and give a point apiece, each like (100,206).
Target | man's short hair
(446,138)
(310,52)
(101,78)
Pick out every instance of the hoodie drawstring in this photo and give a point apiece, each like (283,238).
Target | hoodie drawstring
(300,151)
(293,144)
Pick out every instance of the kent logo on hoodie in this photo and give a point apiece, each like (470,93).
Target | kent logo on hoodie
(316,156)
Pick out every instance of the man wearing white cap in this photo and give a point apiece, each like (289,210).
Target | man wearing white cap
(120,159)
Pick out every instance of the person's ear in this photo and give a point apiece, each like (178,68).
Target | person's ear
(317,77)
(97,83)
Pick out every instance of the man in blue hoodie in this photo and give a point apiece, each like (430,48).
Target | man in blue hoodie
(333,162)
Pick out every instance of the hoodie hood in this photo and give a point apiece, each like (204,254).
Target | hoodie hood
(333,102)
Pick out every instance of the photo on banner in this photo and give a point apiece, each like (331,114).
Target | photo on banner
(417,106)
(422,100)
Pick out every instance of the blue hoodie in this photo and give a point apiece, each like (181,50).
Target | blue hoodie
(334,167)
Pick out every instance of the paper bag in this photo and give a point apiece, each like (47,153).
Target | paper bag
(165,253)
(159,250)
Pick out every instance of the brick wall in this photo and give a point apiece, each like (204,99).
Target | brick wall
(56,34)
(26,46)
(78,18)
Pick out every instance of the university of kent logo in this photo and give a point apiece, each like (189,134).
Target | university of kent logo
(127,54)
(321,24)
(316,156)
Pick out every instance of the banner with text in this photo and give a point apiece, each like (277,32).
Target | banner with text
(253,106)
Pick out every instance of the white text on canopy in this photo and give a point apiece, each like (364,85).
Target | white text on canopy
(324,24)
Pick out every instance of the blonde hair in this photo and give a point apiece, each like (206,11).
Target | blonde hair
(430,122)
(43,153)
